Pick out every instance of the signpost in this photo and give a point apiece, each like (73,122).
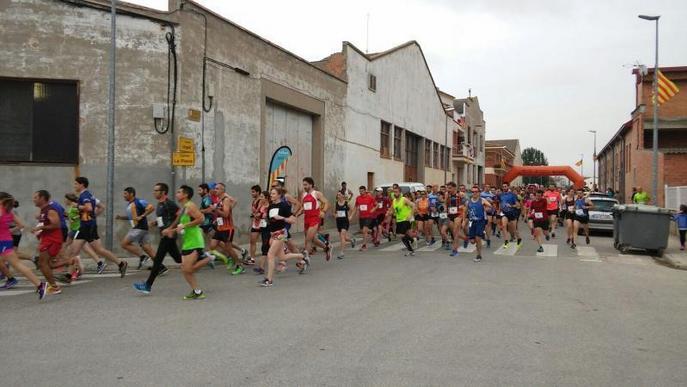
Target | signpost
(185,155)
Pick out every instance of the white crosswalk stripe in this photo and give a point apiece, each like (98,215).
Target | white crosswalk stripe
(549,251)
(470,249)
(436,246)
(394,247)
(510,250)
(588,254)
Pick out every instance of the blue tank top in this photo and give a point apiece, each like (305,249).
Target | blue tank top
(475,210)
(579,205)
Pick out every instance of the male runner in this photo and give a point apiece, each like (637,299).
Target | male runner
(49,232)
(224,234)
(455,206)
(312,214)
(540,217)
(382,221)
(477,210)
(258,221)
(88,231)
(347,193)
(553,200)
(509,205)
(487,195)
(366,205)
(137,211)
(166,214)
(207,207)
(582,206)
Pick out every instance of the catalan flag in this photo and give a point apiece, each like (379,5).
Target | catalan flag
(579,163)
(666,88)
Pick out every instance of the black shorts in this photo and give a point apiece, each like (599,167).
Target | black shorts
(402,227)
(206,228)
(422,218)
(88,233)
(512,215)
(65,234)
(568,215)
(15,240)
(342,224)
(553,212)
(224,236)
(363,222)
(380,219)
(543,224)
(189,252)
(253,229)
(584,219)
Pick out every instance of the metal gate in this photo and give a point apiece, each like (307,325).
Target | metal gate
(675,196)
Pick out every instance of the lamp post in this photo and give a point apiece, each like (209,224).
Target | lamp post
(109,197)
(654,170)
(594,160)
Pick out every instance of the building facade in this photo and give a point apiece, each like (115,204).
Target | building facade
(498,161)
(468,154)
(626,161)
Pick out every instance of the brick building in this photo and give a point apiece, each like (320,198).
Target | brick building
(500,156)
(626,160)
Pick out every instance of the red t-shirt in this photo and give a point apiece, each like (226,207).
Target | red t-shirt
(383,205)
(48,236)
(366,204)
(552,199)
(538,210)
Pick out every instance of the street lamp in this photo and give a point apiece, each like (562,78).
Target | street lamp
(654,172)
(594,184)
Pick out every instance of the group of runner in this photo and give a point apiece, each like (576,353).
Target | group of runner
(207,230)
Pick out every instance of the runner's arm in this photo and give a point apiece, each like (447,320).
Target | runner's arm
(195,214)
(325,203)
(149,210)
(54,222)
(18,222)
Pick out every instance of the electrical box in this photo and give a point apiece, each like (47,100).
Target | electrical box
(159,110)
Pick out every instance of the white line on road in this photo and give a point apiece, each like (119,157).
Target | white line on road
(510,250)
(470,249)
(436,246)
(396,247)
(6,293)
(549,251)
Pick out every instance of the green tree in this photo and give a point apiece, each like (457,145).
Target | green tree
(533,156)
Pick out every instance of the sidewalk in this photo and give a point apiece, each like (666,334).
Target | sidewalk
(673,256)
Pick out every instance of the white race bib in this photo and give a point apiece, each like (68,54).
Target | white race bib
(133,224)
(434,214)
(443,215)
(379,205)
(273,212)
(571,208)
(341,214)
(579,212)
(538,215)
(220,222)
(307,206)
(159,221)
(263,223)
(453,210)
(39,225)
(363,208)
(501,213)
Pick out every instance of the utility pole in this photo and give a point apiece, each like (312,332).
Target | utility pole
(109,217)
(654,170)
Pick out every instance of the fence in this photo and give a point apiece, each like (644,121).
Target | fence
(675,196)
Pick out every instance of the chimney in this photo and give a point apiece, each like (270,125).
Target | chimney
(173,5)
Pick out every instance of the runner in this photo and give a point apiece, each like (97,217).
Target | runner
(16,231)
(312,213)
(568,214)
(488,196)
(224,232)
(342,222)
(366,209)
(207,207)
(166,214)
(403,208)
(261,214)
(540,218)
(49,233)
(347,193)
(295,207)
(279,214)
(257,221)
(582,207)
(508,203)
(137,211)
(455,204)
(527,211)
(553,198)
(382,220)
(443,222)
(88,231)
(423,217)
(477,210)
(7,250)
(433,196)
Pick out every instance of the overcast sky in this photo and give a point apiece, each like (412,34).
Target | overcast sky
(545,71)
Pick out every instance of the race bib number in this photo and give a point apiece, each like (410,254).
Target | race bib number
(539,215)
(263,223)
(363,207)
(39,231)
(579,212)
(571,208)
(220,222)
(501,213)
(159,221)
(551,199)
(341,214)
(380,205)
(443,216)
(453,210)
(273,212)
(307,206)
(435,214)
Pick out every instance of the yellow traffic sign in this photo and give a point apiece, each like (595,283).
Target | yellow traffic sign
(185,145)
(184,159)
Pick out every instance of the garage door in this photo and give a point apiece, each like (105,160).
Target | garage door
(284,126)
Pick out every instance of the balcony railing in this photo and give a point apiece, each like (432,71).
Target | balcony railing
(463,151)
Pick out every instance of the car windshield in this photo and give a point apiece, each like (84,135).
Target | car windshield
(603,205)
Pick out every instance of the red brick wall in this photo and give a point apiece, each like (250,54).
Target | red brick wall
(675,169)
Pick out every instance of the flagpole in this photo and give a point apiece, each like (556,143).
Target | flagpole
(582,165)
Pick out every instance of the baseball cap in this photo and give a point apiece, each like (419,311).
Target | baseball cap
(212,185)
(379,189)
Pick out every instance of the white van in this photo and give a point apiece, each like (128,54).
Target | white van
(405,187)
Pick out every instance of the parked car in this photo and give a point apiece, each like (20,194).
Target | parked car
(601,216)
(405,187)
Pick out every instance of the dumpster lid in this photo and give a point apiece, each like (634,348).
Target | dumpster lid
(641,208)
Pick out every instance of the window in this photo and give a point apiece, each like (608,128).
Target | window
(448,156)
(372,83)
(412,149)
(428,154)
(384,138)
(398,132)
(435,163)
(443,158)
(39,121)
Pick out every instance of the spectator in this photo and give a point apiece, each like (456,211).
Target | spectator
(681,220)
(640,197)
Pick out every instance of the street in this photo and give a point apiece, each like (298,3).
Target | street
(375,318)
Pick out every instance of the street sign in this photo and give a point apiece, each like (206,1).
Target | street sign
(194,115)
(183,159)
(185,145)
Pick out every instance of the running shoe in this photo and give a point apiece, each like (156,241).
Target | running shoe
(540,249)
(142,260)
(327,252)
(465,244)
(547,237)
(432,241)
(321,238)
(76,274)
(454,253)
(195,296)
(586,239)
(163,271)
(573,245)
(363,248)
(67,278)
(54,289)
(567,241)
(101,267)
(353,241)
(519,242)
(223,258)
(142,287)
(10,283)
(411,254)
(122,268)
(306,264)
(41,290)
(238,270)
(505,244)
(258,270)
(488,243)
(340,256)
(211,262)
(244,254)
(477,258)
(266,283)
(447,246)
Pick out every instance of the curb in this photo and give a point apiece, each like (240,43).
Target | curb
(672,263)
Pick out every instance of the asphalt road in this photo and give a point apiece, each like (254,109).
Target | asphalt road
(375,318)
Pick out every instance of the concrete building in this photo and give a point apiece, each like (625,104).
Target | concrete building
(395,126)
(468,145)
(257,96)
(626,160)
(500,156)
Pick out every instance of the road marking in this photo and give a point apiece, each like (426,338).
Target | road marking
(588,254)
(510,250)
(396,247)
(470,249)
(6,293)
(436,246)
(549,251)
(627,259)
(107,275)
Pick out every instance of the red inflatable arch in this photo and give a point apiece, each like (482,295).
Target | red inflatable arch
(542,170)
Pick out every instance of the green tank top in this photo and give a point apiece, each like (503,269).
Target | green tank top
(401,209)
(193,236)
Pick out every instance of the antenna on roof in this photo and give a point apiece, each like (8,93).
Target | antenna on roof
(469,93)
(367,35)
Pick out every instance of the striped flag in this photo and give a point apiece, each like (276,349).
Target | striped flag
(579,163)
(666,88)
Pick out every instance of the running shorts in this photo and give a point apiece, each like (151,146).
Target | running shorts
(6,247)
(342,224)
(224,236)
(311,222)
(141,237)
(88,233)
(366,223)
(422,218)
(511,215)
(553,212)
(402,227)
(543,224)
(584,219)
(51,247)
(380,219)
(476,229)
(200,252)
(15,240)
